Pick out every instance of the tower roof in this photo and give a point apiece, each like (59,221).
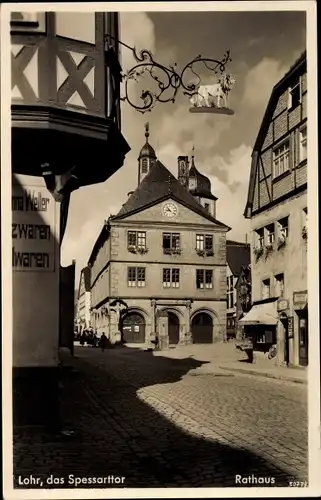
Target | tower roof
(147,150)
(202,185)
(159,185)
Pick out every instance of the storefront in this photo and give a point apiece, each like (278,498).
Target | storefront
(300,306)
(260,324)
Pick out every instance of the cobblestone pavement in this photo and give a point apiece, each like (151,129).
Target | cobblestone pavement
(158,422)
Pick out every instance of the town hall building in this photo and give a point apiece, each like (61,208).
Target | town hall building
(162,257)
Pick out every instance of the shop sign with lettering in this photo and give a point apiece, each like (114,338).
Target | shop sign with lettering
(290,327)
(283,304)
(33,218)
(300,297)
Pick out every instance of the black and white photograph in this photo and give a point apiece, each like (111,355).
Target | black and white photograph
(160,295)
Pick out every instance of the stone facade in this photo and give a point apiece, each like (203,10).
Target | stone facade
(159,265)
(109,278)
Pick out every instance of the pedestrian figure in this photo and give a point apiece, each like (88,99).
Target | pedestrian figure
(103,342)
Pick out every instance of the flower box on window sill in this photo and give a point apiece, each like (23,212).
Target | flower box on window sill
(199,252)
(142,250)
(268,249)
(258,251)
(281,242)
(132,248)
(172,251)
(209,253)
(305,232)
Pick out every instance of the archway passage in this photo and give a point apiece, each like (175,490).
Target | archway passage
(173,328)
(202,328)
(133,328)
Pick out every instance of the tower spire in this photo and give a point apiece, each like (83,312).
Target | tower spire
(147,131)
(193,152)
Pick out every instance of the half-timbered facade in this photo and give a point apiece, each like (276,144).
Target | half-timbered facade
(277,207)
(65,135)
(161,258)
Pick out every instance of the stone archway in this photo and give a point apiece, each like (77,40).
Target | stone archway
(173,328)
(133,328)
(202,328)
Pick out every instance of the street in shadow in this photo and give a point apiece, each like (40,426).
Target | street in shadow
(117,434)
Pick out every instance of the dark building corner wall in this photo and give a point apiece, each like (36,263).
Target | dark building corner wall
(35,397)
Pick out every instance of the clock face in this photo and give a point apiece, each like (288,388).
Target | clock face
(170,209)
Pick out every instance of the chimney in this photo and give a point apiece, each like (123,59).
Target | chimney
(183,170)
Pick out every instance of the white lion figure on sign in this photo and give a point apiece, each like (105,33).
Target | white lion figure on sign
(211,95)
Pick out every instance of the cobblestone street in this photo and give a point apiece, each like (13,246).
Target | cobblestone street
(159,421)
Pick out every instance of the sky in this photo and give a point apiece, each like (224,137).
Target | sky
(263,46)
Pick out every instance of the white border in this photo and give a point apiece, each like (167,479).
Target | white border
(313,283)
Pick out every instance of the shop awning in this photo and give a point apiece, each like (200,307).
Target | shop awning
(261,314)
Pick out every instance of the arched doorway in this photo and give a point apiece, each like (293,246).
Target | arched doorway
(133,328)
(202,328)
(173,328)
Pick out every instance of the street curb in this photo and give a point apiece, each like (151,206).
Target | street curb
(265,374)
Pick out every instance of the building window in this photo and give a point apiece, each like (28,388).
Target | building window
(266,289)
(295,94)
(230,292)
(144,166)
(283,227)
(136,276)
(170,278)
(204,278)
(270,234)
(259,234)
(279,285)
(207,207)
(136,239)
(303,144)
(192,183)
(171,242)
(200,242)
(281,156)
(204,242)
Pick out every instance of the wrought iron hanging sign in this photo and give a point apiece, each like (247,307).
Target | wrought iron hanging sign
(169,81)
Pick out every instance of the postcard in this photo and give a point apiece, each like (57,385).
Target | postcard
(160,262)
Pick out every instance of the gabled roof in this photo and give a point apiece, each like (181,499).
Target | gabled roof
(279,87)
(237,255)
(298,67)
(158,185)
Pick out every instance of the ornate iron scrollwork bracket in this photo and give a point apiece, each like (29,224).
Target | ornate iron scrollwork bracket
(168,79)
